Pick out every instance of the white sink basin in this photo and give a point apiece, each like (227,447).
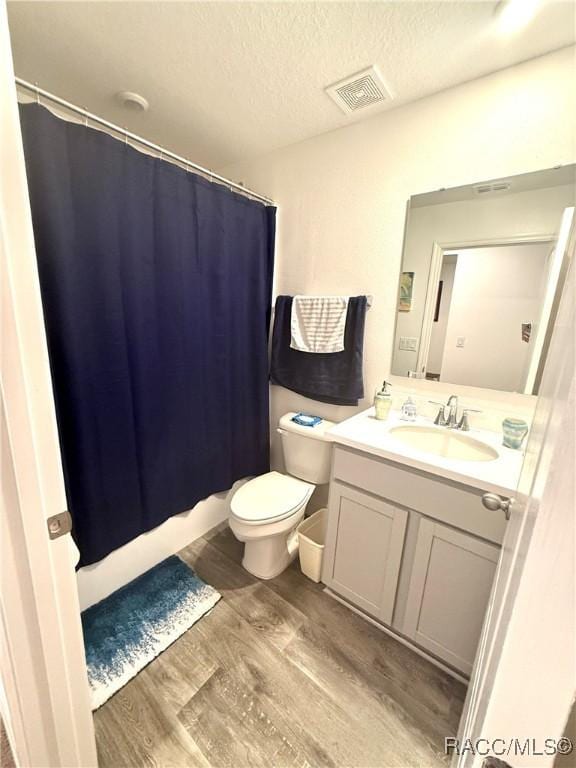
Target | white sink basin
(444,442)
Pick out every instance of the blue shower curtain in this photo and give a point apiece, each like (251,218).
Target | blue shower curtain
(156,288)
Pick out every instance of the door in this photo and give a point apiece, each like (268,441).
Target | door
(45,687)
(364,549)
(452,575)
(530,622)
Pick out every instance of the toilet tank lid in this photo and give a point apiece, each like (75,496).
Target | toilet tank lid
(318,431)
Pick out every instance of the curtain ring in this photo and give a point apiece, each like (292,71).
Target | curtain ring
(85,118)
(125,136)
(37,93)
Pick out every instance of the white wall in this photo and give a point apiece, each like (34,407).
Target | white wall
(342,196)
(495,291)
(532,212)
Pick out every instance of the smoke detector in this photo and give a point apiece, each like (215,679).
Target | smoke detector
(363,90)
(496,186)
(132,101)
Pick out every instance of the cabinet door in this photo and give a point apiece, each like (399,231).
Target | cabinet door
(449,590)
(364,549)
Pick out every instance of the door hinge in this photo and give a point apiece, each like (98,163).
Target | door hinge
(59,524)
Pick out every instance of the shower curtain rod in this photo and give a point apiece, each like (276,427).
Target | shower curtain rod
(128,135)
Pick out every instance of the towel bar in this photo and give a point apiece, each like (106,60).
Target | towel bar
(369,300)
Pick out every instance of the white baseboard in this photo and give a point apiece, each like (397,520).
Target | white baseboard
(97,581)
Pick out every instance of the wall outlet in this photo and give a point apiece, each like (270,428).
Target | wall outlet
(408,343)
(460,341)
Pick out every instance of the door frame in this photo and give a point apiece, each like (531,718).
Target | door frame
(438,251)
(43,669)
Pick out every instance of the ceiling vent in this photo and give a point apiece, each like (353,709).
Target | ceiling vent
(363,90)
(497,186)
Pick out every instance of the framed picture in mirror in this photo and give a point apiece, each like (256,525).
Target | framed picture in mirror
(405,293)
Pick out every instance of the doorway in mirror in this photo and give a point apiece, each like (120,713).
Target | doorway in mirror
(487,312)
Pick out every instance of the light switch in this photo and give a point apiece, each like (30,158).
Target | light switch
(460,341)
(408,343)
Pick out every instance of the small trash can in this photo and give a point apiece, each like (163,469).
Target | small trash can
(311,536)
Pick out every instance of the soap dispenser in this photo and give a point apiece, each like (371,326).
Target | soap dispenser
(382,402)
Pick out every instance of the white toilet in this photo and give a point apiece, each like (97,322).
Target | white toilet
(265,511)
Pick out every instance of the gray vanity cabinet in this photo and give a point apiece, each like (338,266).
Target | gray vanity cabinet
(416,552)
(450,583)
(364,545)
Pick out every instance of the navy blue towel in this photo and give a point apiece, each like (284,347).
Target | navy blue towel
(334,377)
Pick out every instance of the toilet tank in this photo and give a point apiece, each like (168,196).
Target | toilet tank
(306,450)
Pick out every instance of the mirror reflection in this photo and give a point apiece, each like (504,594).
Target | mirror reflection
(482,268)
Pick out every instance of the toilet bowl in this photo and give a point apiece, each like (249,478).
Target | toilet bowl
(264,514)
(265,511)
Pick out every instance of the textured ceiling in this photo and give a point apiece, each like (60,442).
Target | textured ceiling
(230,80)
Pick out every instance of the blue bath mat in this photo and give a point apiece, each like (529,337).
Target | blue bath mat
(130,627)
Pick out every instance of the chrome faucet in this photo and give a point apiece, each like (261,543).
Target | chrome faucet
(452,405)
(452,421)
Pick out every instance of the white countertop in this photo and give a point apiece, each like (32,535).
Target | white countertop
(366,433)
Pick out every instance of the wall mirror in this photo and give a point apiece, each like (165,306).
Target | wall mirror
(482,272)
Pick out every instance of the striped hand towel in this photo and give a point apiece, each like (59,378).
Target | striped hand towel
(318,323)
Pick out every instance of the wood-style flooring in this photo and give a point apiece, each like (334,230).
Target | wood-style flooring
(6,757)
(278,675)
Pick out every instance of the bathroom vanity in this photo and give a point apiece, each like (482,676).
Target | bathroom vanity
(409,542)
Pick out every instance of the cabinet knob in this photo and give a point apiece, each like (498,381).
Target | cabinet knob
(494,502)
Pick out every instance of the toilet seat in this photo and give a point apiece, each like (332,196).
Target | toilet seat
(270,498)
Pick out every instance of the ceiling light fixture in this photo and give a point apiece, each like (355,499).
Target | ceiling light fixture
(515,14)
(132,101)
